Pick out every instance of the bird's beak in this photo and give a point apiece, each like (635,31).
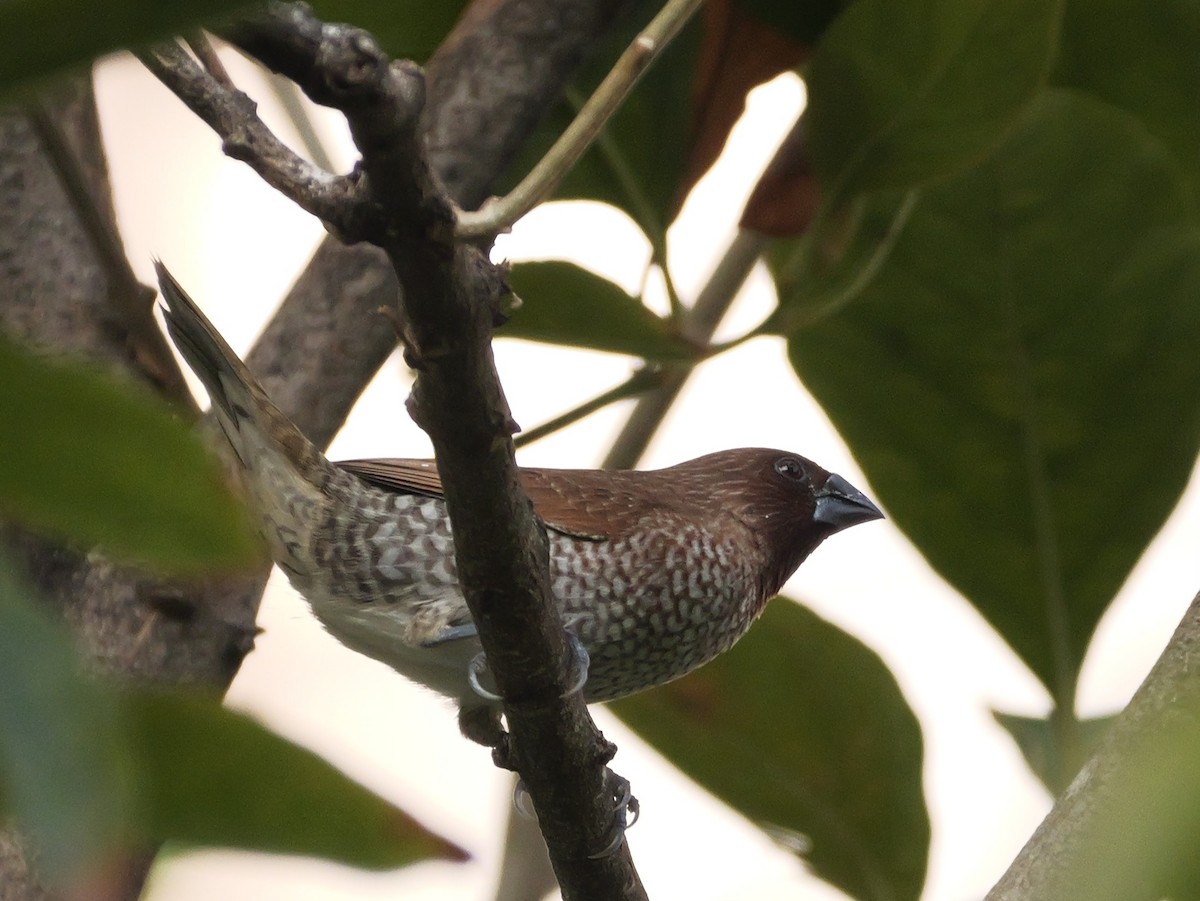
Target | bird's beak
(841,505)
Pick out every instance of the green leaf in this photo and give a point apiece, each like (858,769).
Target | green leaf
(214,777)
(105,463)
(1142,58)
(901,93)
(406,29)
(640,161)
(1055,750)
(64,767)
(803,729)
(562,303)
(40,37)
(1020,381)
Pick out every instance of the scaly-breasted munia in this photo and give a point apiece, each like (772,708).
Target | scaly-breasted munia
(655,572)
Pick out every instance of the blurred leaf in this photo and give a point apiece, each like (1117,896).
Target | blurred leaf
(1020,381)
(64,769)
(105,463)
(214,777)
(1142,58)
(639,163)
(803,729)
(1055,751)
(85,769)
(901,93)
(562,303)
(40,37)
(406,29)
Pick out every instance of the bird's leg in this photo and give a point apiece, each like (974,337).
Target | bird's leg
(481,724)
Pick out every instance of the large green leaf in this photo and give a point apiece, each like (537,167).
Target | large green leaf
(105,463)
(1020,381)
(64,766)
(562,303)
(1143,58)
(900,93)
(40,37)
(803,729)
(210,776)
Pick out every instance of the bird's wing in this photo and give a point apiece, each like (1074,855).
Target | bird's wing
(581,503)
(404,476)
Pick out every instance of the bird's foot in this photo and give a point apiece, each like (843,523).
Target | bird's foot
(625,814)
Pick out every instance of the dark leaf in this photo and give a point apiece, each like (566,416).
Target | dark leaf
(1020,381)
(803,729)
(104,463)
(40,37)
(562,303)
(901,93)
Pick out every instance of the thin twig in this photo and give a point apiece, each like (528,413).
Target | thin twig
(497,215)
(700,323)
(642,380)
(338,201)
(207,54)
(290,98)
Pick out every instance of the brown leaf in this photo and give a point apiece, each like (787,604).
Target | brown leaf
(786,198)
(738,54)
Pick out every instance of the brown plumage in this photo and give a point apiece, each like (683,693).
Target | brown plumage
(655,572)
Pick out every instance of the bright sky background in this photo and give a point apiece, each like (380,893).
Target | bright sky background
(236,246)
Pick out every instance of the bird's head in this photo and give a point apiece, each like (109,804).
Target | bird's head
(789,503)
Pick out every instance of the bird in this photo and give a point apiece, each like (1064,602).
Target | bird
(655,572)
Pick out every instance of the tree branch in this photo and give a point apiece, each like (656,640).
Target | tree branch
(1127,824)
(451,297)
(338,201)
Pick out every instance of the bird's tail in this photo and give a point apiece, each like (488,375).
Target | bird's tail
(281,468)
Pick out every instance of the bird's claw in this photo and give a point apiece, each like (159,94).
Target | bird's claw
(475,669)
(582,660)
(522,801)
(626,811)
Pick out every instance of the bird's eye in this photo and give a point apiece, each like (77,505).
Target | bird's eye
(792,469)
